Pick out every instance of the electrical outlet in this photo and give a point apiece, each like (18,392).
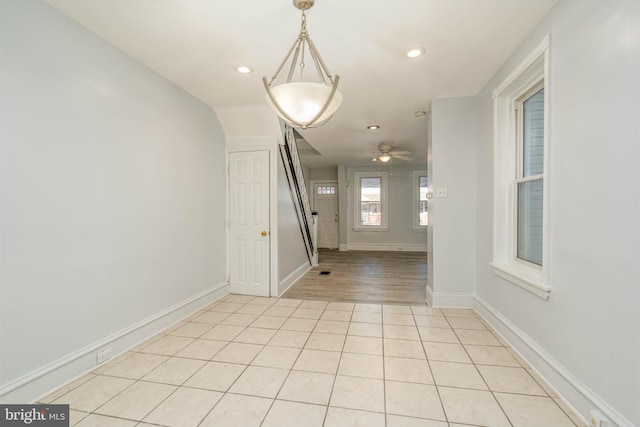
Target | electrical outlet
(103,356)
(442,192)
(597,419)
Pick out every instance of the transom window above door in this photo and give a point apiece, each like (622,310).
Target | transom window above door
(326,189)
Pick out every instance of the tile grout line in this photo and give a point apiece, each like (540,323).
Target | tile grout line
(542,387)
(481,376)
(175,355)
(384,372)
(228,388)
(335,377)
(191,376)
(182,384)
(435,385)
(290,369)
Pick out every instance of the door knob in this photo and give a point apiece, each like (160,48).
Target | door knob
(264,233)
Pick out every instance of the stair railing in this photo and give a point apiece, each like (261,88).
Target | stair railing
(297,185)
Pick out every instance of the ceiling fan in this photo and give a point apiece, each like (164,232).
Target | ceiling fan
(385,154)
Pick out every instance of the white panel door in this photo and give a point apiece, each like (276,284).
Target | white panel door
(249,223)
(325,202)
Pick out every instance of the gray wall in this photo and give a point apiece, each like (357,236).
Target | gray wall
(591,323)
(400,202)
(292,254)
(584,338)
(323,174)
(452,219)
(112,204)
(319,174)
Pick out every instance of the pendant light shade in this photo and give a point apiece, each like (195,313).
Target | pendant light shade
(304,103)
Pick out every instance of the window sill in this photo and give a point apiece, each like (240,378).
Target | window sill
(420,229)
(370,229)
(525,277)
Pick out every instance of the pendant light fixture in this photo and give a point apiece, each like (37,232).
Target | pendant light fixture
(304,103)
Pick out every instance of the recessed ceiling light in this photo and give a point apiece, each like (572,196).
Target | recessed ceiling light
(373,127)
(375,159)
(243,69)
(415,52)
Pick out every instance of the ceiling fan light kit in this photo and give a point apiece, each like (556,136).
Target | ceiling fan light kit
(386,154)
(302,103)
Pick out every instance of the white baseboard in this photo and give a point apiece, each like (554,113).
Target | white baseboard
(42,381)
(390,247)
(453,300)
(429,297)
(292,278)
(343,247)
(575,393)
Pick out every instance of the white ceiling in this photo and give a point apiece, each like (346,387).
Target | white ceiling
(197,43)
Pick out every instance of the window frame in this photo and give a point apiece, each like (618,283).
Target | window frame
(520,175)
(357,226)
(526,79)
(416,201)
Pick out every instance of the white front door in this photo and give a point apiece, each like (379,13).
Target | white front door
(249,223)
(325,202)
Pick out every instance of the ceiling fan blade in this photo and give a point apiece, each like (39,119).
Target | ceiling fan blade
(400,152)
(405,158)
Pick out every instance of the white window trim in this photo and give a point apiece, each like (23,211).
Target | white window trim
(383,201)
(533,69)
(416,201)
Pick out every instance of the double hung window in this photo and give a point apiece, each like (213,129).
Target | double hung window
(521,111)
(529,183)
(420,215)
(371,201)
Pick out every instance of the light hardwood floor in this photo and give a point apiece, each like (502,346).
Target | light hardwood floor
(365,276)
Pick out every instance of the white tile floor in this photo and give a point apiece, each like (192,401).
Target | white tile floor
(246,361)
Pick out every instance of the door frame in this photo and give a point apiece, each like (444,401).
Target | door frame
(257,143)
(248,286)
(313,200)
